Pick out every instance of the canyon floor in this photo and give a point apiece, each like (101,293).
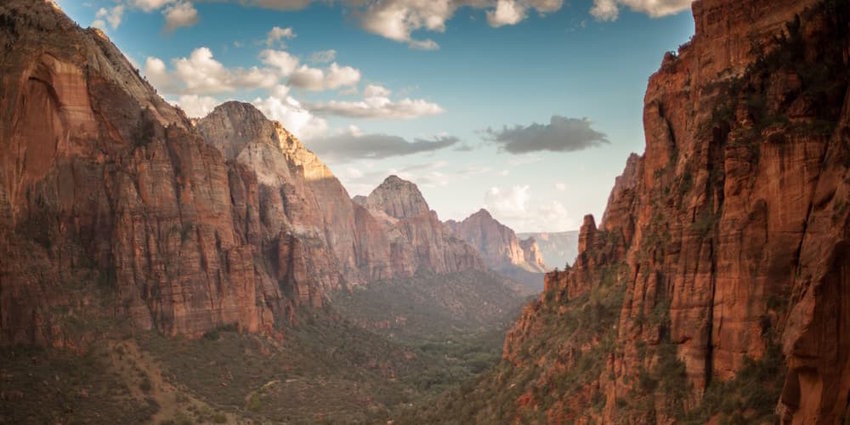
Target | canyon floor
(364,358)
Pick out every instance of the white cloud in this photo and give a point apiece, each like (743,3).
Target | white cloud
(609,10)
(289,112)
(377,104)
(316,79)
(151,5)
(399,19)
(110,16)
(517,208)
(182,14)
(553,216)
(373,90)
(323,56)
(197,106)
(157,73)
(510,203)
(507,12)
(281,60)
(201,73)
(277,34)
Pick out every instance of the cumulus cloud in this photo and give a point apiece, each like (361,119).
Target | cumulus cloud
(316,79)
(399,19)
(181,14)
(609,10)
(506,13)
(281,60)
(377,104)
(201,73)
(277,34)
(151,5)
(560,135)
(111,16)
(517,208)
(282,107)
(352,145)
(157,73)
(197,106)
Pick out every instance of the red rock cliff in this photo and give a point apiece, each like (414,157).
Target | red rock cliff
(728,237)
(114,206)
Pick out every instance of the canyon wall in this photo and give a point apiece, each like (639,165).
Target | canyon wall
(719,270)
(115,208)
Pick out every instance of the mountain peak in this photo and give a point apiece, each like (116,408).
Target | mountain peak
(398,198)
(482,213)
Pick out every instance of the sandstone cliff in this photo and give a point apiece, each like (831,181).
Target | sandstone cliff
(499,246)
(714,289)
(114,207)
(502,250)
(418,238)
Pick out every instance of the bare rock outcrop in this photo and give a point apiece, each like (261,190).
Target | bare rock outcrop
(728,237)
(115,207)
(498,244)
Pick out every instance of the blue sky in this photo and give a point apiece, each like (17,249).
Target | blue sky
(456,95)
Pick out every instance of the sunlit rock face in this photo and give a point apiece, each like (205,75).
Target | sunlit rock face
(499,245)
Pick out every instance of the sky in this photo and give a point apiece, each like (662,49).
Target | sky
(528,108)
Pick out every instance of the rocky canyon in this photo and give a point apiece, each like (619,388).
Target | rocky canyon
(183,225)
(714,288)
(157,268)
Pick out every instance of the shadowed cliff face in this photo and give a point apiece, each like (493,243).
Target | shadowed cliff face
(715,287)
(114,206)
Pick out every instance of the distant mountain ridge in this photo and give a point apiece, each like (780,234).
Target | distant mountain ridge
(501,249)
(558,248)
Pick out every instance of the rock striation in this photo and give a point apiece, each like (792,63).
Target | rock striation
(116,207)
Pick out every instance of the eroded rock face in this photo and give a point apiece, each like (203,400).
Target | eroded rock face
(733,225)
(117,190)
(418,239)
(114,206)
(498,244)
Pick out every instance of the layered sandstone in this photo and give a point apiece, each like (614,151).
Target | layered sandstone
(114,206)
(729,235)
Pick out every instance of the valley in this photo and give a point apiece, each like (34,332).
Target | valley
(163,269)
